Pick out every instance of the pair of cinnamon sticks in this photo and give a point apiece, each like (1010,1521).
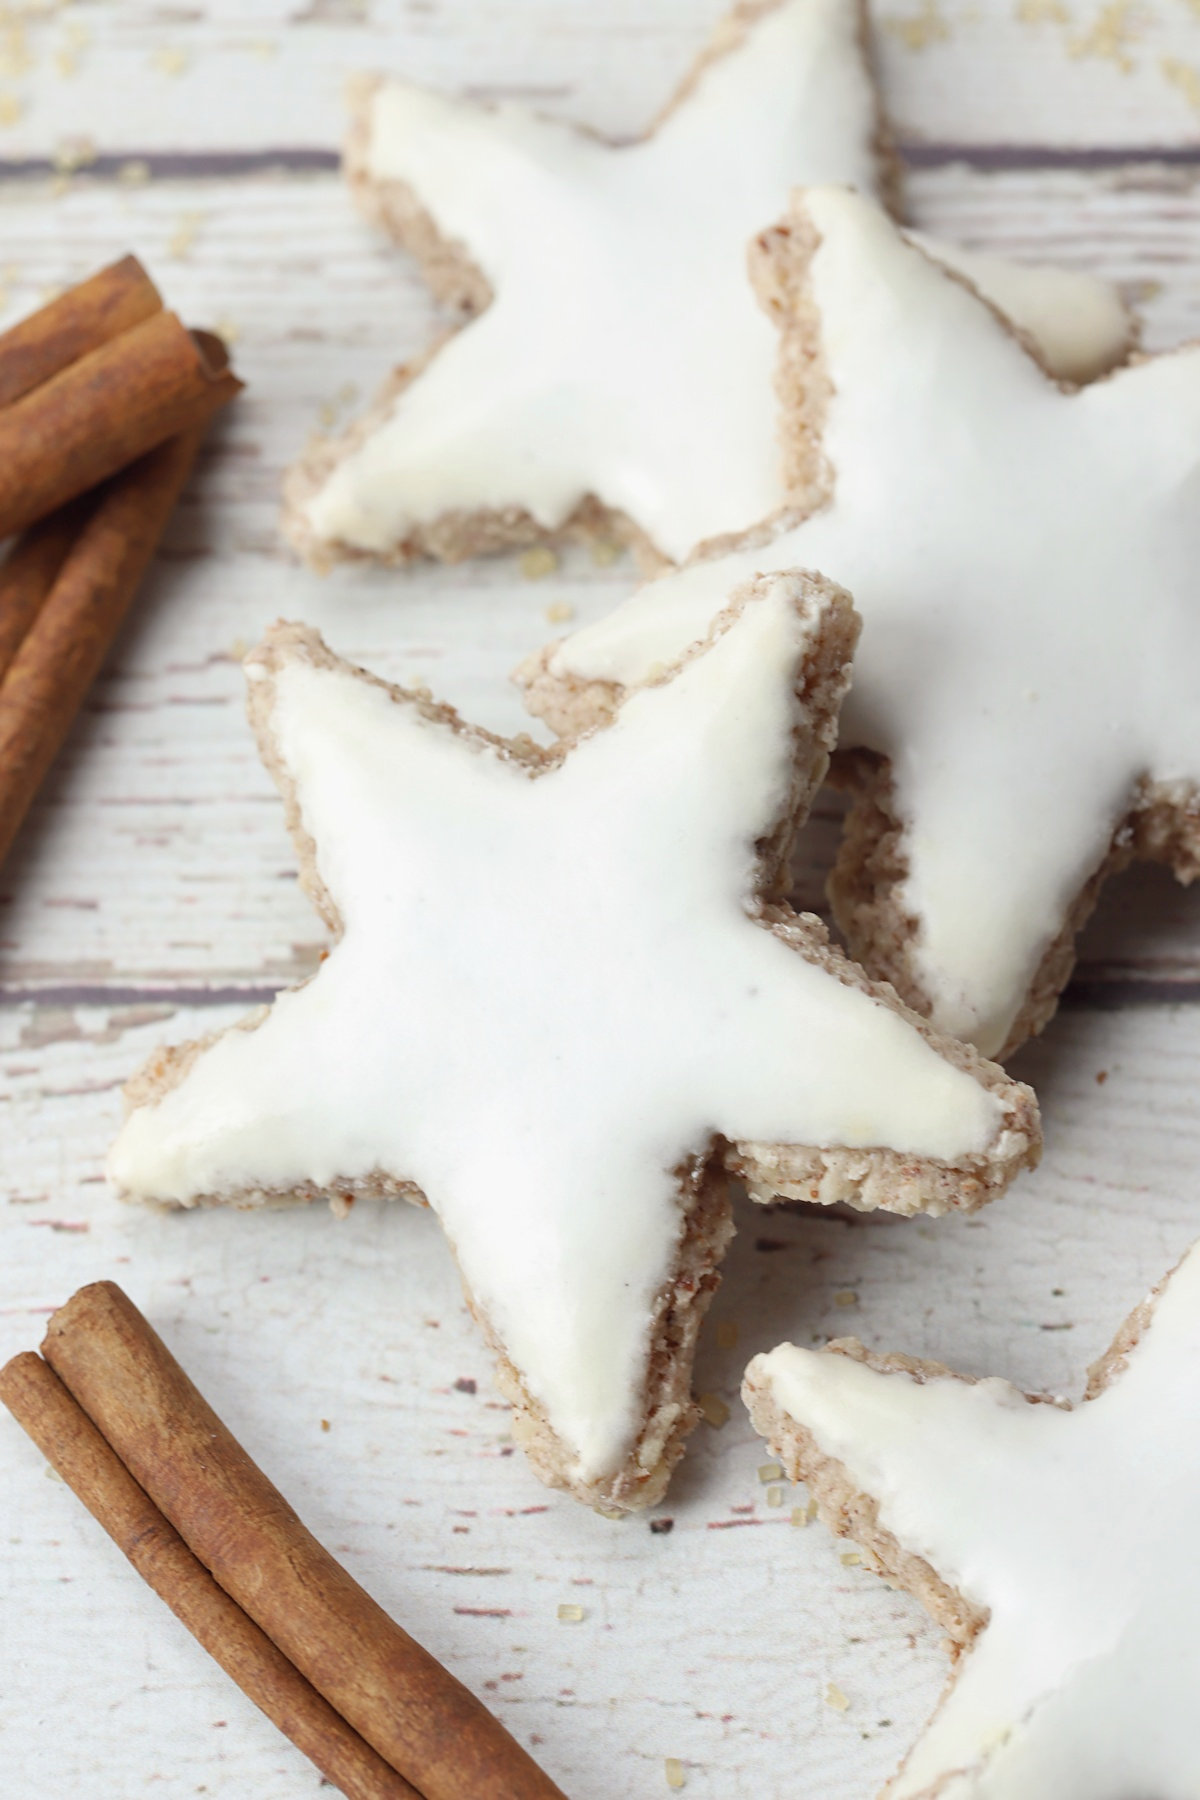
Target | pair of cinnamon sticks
(117,1417)
(104,401)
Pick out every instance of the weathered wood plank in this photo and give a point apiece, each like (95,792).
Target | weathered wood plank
(156,860)
(712,1643)
(217,78)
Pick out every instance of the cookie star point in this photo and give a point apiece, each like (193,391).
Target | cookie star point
(558,1004)
(987,521)
(615,364)
(1042,1538)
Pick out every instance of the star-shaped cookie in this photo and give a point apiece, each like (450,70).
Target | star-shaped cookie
(1054,1545)
(1027,565)
(563,1000)
(618,364)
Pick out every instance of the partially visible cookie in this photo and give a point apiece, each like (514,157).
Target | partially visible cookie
(565,1000)
(615,372)
(1027,564)
(1054,1546)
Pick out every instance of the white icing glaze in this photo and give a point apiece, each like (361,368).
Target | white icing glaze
(1073,1528)
(624,354)
(548,994)
(1077,324)
(1025,562)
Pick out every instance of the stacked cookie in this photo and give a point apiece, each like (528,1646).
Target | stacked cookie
(567,998)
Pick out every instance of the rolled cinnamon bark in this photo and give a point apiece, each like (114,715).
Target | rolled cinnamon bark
(102,412)
(107,304)
(30,570)
(61,652)
(71,1444)
(418,1717)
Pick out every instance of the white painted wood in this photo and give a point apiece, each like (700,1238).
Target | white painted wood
(132,76)
(155,870)
(713,1643)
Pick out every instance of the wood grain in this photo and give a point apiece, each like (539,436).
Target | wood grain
(1051,75)
(701,1643)
(152,895)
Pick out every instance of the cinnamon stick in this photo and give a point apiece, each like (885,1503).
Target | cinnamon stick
(29,572)
(107,304)
(418,1717)
(62,650)
(102,412)
(71,1445)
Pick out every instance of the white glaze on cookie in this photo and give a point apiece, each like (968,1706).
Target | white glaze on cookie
(623,355)
(1027,564)
(550,992)
(1073,1529)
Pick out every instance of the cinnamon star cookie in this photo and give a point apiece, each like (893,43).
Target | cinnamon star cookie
(1027,565)
(616,369)
(1054,1546)
(563,1001)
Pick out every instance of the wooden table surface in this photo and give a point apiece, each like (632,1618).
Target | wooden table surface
(152,896)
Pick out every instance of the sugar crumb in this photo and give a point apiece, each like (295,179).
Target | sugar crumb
(134,173)
(714,1409)
(559,611)
(72,154)
(569,1613)
(1185,77)
(604,552)
(168,59)
(774,1496)
(673,1770)
(537,563)
(15,56)
(845,1297)
(1042,12)
(769,1471)
(834,1697)
(181,240)
(851,1558)
(920,29)
(1109,36)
